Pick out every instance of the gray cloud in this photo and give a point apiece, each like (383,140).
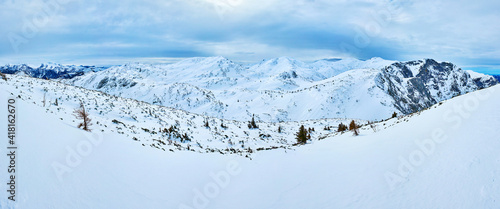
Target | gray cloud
(73,30)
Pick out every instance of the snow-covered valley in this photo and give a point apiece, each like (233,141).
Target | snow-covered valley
(445,156)
(160,127)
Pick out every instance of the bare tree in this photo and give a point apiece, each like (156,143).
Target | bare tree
(3,76)
(82,114)
(354,128)
(44,99)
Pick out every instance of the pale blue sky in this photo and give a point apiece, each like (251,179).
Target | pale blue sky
(115,32)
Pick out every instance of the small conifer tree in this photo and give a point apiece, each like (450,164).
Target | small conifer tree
(252,123)
(206,124)
(301,135)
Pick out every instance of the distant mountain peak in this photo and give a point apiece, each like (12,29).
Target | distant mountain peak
(50,70)
(283,61)
(331,59)
(214,59)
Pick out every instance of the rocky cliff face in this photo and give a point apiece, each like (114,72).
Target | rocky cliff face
(416,85)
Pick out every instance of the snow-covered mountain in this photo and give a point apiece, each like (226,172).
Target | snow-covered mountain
(333,67)
(483,81)
(284,89)
(416,85)
(496,77)
(50,70)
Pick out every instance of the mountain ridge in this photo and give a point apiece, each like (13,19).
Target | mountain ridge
(50,70)
(285,89)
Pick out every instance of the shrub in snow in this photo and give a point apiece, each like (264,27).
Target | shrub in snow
(222,125)
(3,76)
(342,128)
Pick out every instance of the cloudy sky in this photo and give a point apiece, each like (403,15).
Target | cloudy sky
(103,32)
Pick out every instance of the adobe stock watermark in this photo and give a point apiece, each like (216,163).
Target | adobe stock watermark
(222,7)
(75,155)
(212,189)
(32,26)
(364,34)
(426,147)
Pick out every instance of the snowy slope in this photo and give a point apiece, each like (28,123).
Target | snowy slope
(147,124)
(442,157)
(284,89)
